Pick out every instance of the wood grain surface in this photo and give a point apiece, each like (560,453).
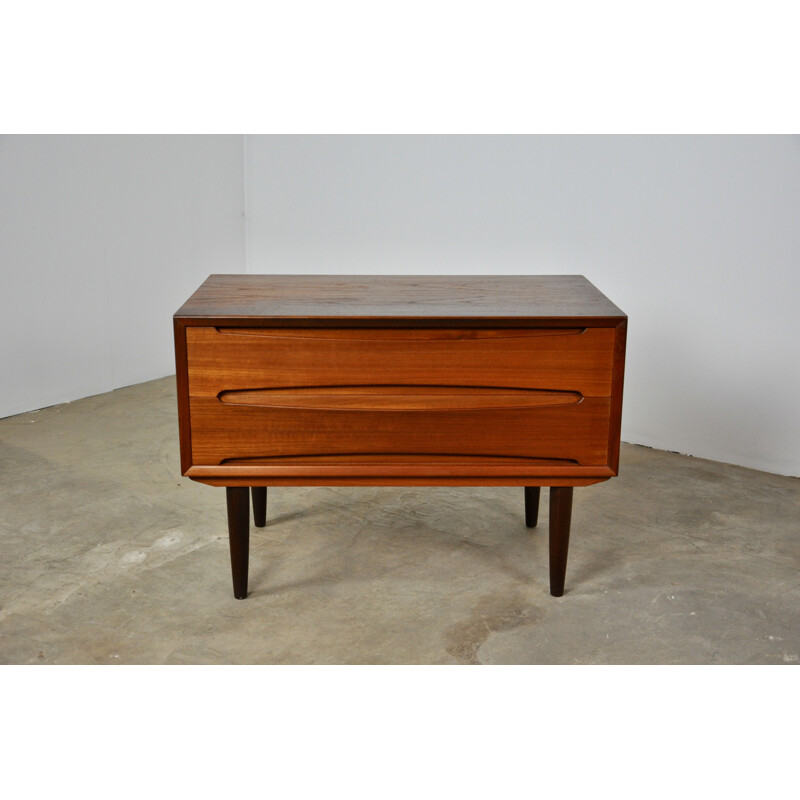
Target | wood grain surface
(393,300)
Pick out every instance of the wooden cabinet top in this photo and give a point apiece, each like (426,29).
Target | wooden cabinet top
(472,300)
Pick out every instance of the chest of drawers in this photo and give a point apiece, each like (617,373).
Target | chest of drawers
(366,380)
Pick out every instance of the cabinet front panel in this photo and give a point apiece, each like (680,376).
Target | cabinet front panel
(473,398)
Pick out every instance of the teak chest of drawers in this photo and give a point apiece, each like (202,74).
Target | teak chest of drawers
(364,380)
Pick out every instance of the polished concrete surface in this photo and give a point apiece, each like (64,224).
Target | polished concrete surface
(108,556)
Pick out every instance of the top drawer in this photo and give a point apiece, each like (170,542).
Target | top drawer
(561,359)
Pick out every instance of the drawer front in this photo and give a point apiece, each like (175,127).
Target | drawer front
(576,433)
(280,396)
(571,359)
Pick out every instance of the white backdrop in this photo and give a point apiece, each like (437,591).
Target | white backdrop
(697,239)
(101,240)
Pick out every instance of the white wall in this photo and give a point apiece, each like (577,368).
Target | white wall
(101,240)
(697,239)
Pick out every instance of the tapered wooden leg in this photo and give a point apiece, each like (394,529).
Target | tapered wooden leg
(532,505)
(259,505)
(560,517)
(239,534)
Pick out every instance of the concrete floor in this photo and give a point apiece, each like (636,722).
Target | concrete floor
(108,556)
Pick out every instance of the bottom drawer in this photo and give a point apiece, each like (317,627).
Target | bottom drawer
(421,430)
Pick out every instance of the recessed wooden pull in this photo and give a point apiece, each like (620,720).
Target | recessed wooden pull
(399,398)
(380,334)
(365,459)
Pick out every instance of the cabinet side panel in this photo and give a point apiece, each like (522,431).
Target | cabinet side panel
(182,381)
(617,381)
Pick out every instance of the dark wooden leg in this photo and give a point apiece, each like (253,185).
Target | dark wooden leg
(560,517)
(239,534)
(259,505)
(532,505)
